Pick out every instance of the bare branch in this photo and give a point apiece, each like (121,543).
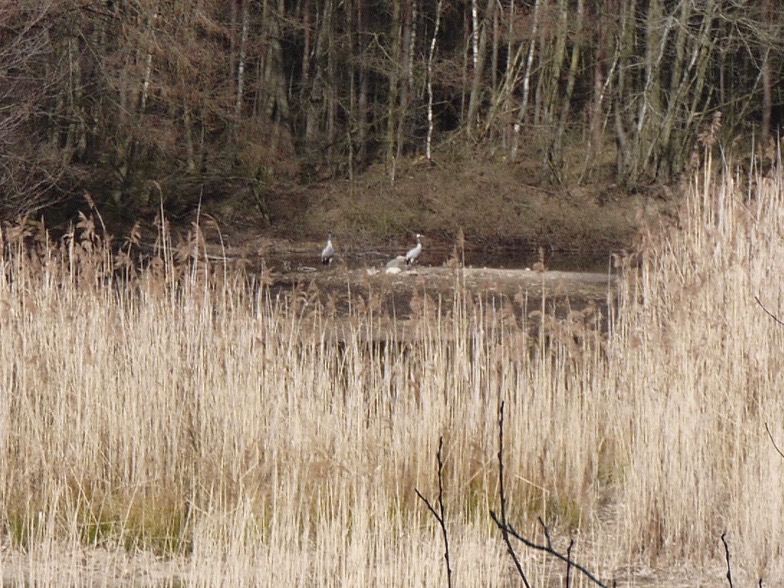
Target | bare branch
(528,543)
(502,496)
(546,533)
(440,515)
(727,555)
(769,313)
(772,440)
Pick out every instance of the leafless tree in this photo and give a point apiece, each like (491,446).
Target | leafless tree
(119,97)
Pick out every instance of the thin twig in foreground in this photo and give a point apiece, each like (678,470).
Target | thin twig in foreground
(546,533)
(770,314)
(772,440)
(508,531)
(727,555)
(502,495)
(440,516)
(528,543)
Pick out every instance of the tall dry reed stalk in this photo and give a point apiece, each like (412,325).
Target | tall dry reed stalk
(698,366)
(175,423)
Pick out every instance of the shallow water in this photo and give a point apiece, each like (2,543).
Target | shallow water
(567,261)
(499,258)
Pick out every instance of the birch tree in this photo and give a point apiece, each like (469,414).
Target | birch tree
(242,51)
(526,82)
(431,55)
(479,43)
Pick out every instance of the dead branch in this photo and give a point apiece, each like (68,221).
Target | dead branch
(727,555)
(508,531)
(769,313)
(549,550)
(440,515)
(502,497)
(772,440)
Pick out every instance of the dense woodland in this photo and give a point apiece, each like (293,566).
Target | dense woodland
(139,100)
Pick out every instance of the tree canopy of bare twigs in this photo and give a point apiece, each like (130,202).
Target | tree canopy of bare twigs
(116,96)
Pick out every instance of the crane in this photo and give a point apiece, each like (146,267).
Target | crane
(414,253)
(328,252)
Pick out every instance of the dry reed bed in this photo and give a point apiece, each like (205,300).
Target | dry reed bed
(181,412)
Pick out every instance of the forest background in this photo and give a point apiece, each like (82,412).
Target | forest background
(535,121)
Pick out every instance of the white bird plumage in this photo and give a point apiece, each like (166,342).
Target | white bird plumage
(413,254)
(328,252)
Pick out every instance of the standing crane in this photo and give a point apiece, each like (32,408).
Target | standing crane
(414,253)
(328,252)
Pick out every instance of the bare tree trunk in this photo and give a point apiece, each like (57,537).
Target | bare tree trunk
(661,148)
(551,78)
(232,47)
(464,92)
(394,84)
(767,83)
(430,82)
(511,74)
(273,89)
(362,99)
(494,56)
(526,82)
(73,139)
(133,105)
(599,87)
(694,116)
(242,56)
(351,38)
(148,60)
(407,79)
(479,62)
(556,148)
(330,85)
(314,104)
(624,93)
(649,113)
(475,34)
(596,115)
(542,57)
(414,11)
(307,36)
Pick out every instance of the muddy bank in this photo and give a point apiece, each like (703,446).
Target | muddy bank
(400,301)
(445,280)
